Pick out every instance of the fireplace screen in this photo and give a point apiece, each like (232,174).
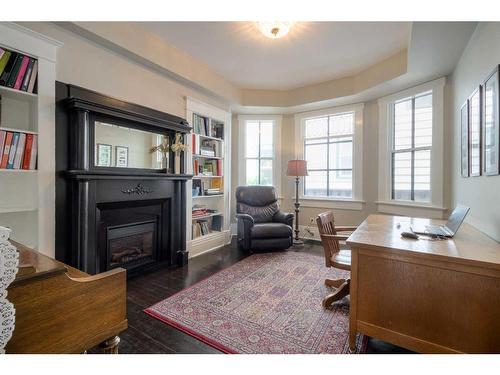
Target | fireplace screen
(131,243)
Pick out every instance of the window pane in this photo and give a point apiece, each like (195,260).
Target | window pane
(252,139)
(490,130)
(252,172)
(315,184)
(475,131)
(402,176)
(266,172)
(342,124)
(402,125)
(341,155)
(340,184)
(316,156)
(422,176)
(266,140)
(316,127)
(423,121)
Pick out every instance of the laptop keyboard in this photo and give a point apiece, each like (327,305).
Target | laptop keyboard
(434,229)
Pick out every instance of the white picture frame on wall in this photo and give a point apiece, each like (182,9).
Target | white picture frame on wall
(121,156)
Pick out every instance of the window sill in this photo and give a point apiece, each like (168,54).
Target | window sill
(321,202)
(410,209)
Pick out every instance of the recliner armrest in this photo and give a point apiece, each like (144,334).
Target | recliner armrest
(283,217)
(246,218)
(245,224)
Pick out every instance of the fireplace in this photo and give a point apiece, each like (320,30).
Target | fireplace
(117,203)
(132,235)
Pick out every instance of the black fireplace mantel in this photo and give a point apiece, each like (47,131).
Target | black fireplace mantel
(86,195)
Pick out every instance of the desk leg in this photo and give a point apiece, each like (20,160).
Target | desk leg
(110,346)
(353,303)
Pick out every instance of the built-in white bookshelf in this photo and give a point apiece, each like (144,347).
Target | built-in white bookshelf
(27,196)
(209,191)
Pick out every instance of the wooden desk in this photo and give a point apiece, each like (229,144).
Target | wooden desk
(426,296)
(60,309)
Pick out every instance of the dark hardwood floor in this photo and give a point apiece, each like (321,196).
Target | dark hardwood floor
(148,335)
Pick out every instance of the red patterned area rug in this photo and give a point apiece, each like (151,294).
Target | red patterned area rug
(266,303)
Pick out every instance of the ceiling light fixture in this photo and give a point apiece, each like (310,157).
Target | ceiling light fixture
(275,30)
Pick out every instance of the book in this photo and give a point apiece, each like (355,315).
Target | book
(6,150)
(34,75)
(4,60)
(4,78)
(20,151)
(219,167)
(34,152)
(22,71)
(15,71)
(27,76)
(3,134)
(13,149)
(27,151)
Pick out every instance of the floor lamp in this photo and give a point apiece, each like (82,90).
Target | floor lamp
(297,169)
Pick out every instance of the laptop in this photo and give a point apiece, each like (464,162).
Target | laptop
(449,229)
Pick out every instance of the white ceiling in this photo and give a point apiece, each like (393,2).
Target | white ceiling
(312,52)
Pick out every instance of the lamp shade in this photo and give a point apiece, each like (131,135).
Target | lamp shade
(296,168)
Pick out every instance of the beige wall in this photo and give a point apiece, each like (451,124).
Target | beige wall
(482,194)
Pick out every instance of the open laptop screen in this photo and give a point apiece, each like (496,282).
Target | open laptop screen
(456,218)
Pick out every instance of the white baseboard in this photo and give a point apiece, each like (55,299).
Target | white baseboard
(211,242)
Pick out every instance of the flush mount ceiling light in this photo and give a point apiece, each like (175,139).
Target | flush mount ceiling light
(275,30)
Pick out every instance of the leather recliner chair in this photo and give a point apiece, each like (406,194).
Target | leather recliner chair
(261,224)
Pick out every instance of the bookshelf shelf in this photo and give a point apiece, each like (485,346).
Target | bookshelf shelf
(208,196)
(207,157)
(206,216)
(17,130)
(32,171)
(17,94)
(6,210)
(212,138)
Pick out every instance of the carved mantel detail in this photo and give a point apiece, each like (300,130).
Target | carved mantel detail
(139,190)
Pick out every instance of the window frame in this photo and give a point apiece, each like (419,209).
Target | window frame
(276,158)
(411,149)
(385,203)
(328,141)
(356,202)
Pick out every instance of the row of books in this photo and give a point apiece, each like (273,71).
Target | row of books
(18,150)
(200,228)
(208,127)
(206,147)
(207,167)
(206,226)
(212,187)
(18,71)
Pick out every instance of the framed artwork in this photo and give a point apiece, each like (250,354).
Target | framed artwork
(121,156)
(491,131)
(464,125)
(103,155)
(475,133)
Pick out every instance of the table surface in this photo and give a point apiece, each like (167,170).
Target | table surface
(471,246)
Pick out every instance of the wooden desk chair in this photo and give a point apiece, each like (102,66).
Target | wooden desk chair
(334,256)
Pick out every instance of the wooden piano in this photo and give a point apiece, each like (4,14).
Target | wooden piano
(60,309)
